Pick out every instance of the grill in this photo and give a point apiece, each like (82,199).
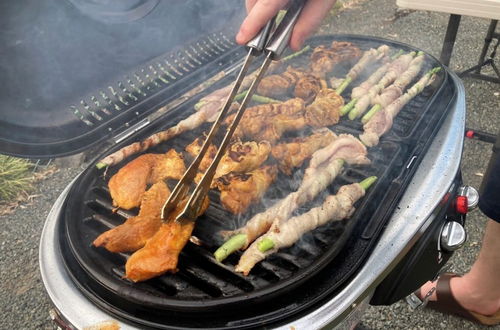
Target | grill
(280,286)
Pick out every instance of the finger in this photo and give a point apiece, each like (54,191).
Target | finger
(249,4)
(310,18)
(259,15)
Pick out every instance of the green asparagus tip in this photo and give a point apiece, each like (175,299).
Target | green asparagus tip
(235,243)
(265,244)
(435,70)
(348,107)
(341,161)
(353,114)
(263,99)
(413,53)
(239,96)
(344,85)
(420,53)
(300,52)
(398,54)
(198,105)
(371,113)
(101,165)
(366,183)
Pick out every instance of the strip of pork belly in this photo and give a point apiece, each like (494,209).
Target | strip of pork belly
(134,232)
(293,153)
(369,57)
(161,252)
(334,208)
(374,78)
(382,121)
(319,175)
(240,190)
(128,185)
(395,90)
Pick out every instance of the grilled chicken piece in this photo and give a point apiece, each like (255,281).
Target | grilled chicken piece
(324,59)
(256,122)
(308,87)
(243,157)
(135,231)
(194,149)
(292,154)
(325,110)
(161,252)
(240,190)
(335,208)
(128,185)
(277,125)
(280,84)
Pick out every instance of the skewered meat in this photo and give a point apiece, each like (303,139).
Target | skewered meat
(328,162)
(243,157)
(161,252)
(133,233)
(334,208)
(194,149)
(369,57)
(381,122)
(374,78)
(325,110)
(128,185)
(292,154)
(308,87)
(280,84)
(240,190)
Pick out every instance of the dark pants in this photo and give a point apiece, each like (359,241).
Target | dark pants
(489,193)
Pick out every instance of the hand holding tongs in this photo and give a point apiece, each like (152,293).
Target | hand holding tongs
(273,48)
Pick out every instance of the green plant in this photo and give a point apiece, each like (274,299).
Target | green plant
(15,177)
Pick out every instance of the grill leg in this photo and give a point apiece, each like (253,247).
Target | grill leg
(449,39)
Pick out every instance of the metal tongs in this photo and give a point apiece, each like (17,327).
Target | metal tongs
(272,46)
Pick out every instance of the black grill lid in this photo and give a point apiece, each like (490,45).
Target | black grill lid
(72,73)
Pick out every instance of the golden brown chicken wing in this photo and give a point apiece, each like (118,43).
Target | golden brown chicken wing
(324,59)
(308,87)
(128,185)
(292,154)
(161,252)
(325,110)
(243,157)
(276,126)
(240,190)
(194,149)
(133,233)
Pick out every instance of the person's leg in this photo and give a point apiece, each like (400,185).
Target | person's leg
(479,289)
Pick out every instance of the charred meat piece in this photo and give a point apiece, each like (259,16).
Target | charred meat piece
(128,185)
(277,125)
(194,149)
(280,84)
(292,154)
(325,110)
(308,87)
(243,157)
(240,190)
(324,59)
(161,252)
(133,233)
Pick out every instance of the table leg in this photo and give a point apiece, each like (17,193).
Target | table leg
(487,41)
(449,39)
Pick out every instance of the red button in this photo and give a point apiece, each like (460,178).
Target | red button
(461,205)
(469,134)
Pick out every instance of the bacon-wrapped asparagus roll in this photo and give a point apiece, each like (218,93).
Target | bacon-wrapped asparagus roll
(335,208)
(381,121)
(395,69)
(325,165)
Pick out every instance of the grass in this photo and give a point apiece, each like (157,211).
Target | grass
(15,177)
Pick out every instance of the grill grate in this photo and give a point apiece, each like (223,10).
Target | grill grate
(275,287)
(159,73)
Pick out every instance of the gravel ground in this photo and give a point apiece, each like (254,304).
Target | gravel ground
(25,304)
